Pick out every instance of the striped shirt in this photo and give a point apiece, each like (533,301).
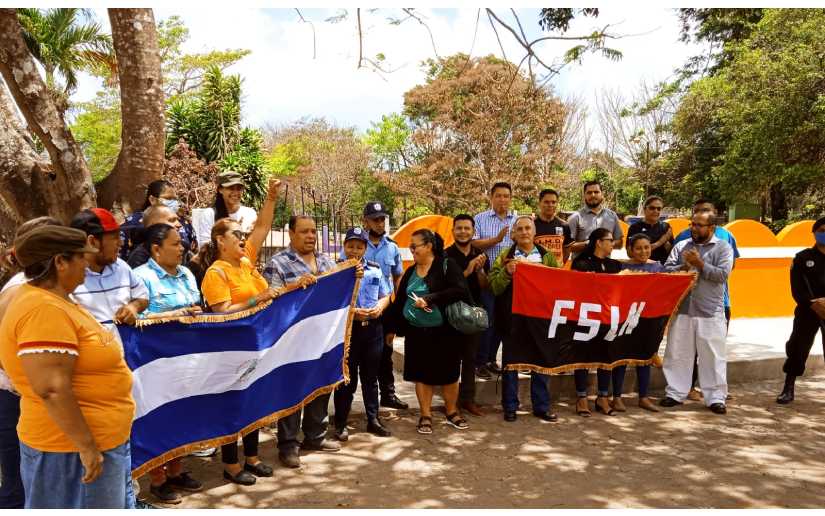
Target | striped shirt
(286,267)
(103,293)
(168,292)
(488,225)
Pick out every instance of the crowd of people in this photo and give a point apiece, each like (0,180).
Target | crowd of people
(65,389)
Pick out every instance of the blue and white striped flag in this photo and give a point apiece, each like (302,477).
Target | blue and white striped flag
(206,380)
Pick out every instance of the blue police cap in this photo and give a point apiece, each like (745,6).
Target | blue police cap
(375,209)
(357,234)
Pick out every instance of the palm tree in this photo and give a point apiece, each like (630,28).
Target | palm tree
(65,44)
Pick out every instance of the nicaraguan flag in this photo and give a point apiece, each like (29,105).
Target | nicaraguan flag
(206,380)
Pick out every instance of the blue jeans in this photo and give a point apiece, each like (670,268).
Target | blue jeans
(539,392)
(643,377)
(11,489)
(604,377)
(490,339)
(54,480)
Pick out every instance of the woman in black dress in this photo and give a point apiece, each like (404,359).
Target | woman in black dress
(432,348)
(596,258)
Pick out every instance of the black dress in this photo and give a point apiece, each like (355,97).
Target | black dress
(432,356)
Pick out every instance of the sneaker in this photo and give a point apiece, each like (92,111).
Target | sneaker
(392,401)
(342,434)
(165,493)
(208,452)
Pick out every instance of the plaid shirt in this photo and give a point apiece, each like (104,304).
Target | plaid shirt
(488,225)
(286,267)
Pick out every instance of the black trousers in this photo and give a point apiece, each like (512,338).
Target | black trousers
(798,347)
(364,356)
(386,380)
(467,387)
(229,452)
(312,419)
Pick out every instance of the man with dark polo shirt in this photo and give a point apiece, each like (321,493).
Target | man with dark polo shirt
(475,266)
(552,233)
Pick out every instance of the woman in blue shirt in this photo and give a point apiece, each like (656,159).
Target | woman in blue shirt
(639,249)
(172,292)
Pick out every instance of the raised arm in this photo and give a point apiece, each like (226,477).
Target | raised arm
(263,224)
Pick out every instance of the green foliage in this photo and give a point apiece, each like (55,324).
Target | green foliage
(559,19)
(757,127)
(287,158)
(65,44)
(97,129)
(389,143)
(184,73)
(210,120)
(370,188)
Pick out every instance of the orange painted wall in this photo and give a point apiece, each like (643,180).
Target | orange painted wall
(759,287)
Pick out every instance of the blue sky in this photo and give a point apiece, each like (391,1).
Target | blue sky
(282,81)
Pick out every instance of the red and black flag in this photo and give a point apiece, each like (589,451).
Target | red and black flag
(565,320)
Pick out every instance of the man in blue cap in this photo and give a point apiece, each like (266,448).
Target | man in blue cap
(366,340)
(383,251)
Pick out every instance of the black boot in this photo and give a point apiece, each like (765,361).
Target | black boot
(787,391)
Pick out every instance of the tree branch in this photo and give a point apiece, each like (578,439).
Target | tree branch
(301,16)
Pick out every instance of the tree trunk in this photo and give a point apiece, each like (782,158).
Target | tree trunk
(142,110)
(779,205)
(32,187)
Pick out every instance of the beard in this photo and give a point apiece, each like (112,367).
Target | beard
(376,234)
(592,204)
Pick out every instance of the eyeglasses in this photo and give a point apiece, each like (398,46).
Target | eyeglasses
(699,226)
(654,208)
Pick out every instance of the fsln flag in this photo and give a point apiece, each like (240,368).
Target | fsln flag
(207,380)
(565,320)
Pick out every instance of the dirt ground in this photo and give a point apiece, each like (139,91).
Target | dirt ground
(758,455)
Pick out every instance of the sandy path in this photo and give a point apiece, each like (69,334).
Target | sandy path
(759,455)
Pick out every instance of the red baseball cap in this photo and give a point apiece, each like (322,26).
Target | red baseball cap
(95,221)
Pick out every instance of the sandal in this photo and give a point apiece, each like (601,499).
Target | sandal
(425,428)
(585,410)
(608,411)
(457,421)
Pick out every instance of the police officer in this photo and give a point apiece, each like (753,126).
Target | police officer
(383,251)
(808,290)
(366,340)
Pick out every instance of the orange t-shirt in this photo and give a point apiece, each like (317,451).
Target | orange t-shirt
(38,320)
(237,284)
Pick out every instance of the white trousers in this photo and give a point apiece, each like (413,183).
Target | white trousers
(687,337)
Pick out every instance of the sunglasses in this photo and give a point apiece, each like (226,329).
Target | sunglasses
(240,235)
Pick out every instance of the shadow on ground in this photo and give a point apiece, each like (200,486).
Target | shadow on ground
(759,455)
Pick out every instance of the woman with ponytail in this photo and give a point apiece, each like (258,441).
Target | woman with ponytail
(432,347)
(232,283)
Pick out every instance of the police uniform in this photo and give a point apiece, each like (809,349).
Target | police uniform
(366,342)
(807,282)
(386,254)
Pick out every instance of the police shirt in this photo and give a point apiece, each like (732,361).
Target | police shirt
(373,286)
(808,264)
(387,256)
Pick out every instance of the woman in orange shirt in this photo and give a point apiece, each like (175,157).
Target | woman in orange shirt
(76,405)
(232,283)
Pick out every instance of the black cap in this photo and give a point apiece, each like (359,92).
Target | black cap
(375,209)
(818,223)
(356,234)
